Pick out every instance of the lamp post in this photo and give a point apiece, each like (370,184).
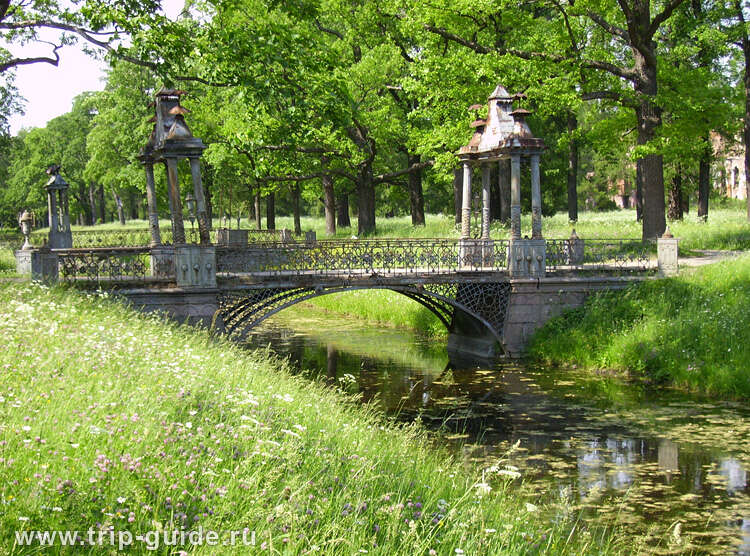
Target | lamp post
(25,221)
(190,202)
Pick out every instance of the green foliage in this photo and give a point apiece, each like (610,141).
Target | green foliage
(688,331)
(124,420)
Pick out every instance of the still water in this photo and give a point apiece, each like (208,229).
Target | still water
(669,469)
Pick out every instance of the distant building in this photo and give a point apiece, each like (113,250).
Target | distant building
(729,167)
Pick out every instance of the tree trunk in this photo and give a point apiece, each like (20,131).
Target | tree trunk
(329,198)
(92,204)
(207,182)
(675,196)
(704,182)
(342,210)
(120,208)
(295,208)
(102,208)
(133,202)
(365,201)
(572,170)
(651,175)
(258,222)
(738,5)
(638,193)
(271,211)
(457,193)
(416,197)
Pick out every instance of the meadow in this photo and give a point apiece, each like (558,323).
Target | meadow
(115,421)
(689,331)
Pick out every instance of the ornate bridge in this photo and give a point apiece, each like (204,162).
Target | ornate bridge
(468,284)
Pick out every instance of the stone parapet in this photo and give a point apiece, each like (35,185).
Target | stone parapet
(527,258)
(40,264)
(195,266)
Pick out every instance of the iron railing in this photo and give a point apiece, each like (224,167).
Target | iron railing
(618,255)
(95,265)
(384,257)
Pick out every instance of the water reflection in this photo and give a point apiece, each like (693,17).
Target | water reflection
(645,463)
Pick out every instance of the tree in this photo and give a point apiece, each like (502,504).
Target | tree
(742,40)
(62,141)
(120,127)
(627,55)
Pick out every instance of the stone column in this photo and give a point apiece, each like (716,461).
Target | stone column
(153,214)
(485,201)
(200,201)
(178,226)
(65,210)
(466,203)
(52,210)
(536,199)
(515,196)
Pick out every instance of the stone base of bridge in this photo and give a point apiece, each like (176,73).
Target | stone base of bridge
(192,306)
(535,301)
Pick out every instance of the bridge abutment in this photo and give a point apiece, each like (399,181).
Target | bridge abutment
(533,302)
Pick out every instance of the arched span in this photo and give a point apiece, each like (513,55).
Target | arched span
(484,302)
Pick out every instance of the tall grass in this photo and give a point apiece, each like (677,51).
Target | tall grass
(689,331)
(114,420)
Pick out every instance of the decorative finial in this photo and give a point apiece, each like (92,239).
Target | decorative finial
(667,234)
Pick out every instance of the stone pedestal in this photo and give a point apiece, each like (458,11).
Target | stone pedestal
(40,264)
(667,253)
(231,238)
(311,237)
(195,266)
(475,253)
(527,258)
(575,251)
(162,262)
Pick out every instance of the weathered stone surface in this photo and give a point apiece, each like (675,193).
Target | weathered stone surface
(40,264)
(534,302)
(667,252)
(195,266)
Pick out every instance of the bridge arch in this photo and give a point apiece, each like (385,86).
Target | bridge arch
(485,303)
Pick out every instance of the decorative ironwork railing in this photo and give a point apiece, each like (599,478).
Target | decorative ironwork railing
(139,237)
(383,256)
(622,255)
(112,264)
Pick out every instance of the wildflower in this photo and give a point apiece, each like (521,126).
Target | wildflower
(482,489)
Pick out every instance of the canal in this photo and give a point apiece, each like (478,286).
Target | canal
(668,469)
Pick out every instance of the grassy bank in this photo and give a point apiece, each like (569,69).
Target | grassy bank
(111,419)
(383,307)
(690,331)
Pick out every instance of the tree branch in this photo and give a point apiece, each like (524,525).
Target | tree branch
(663,16)
(627,74)
(608,27)
(329,30)
(392,175)
(610,95)
(14,62)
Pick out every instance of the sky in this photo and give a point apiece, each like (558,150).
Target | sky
(49,91)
